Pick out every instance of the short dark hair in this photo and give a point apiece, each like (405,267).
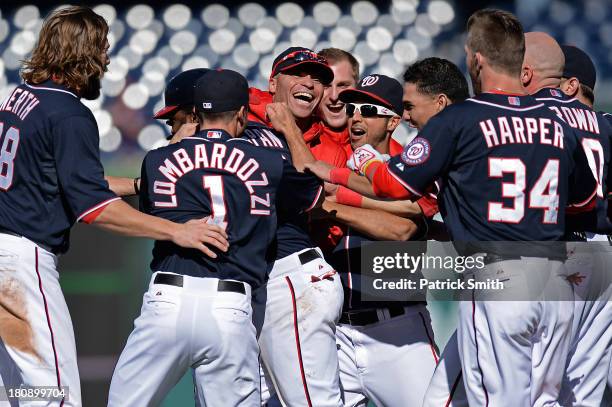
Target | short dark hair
(217,117)
(587,92)
(338,55)
(434,76)
(497,35)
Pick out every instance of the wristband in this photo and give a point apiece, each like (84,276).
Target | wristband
(346,196)
(136,189)
(339,176)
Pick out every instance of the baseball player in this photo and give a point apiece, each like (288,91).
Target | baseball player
(509,350)
(179,115)
(331,109)
(589,356)
(381,345)
(50,178)
(197,311)
(302,299)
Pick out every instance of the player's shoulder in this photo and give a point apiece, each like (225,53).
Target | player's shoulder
(57,101)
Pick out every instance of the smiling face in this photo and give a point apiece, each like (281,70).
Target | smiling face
(331,109)
(369,130)
(418,107)
(300,88)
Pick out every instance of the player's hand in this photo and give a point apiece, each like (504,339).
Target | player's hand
(186,130)
(321,169)
(362,157)
(282,119)
(198,234)
(330,191)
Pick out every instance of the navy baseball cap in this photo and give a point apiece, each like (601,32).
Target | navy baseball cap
(179,92)
(377,89)
(579,65)
(306,58)
(221,90)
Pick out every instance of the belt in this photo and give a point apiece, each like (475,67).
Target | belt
(44,246)
(177,280)
(496,258)
(369,316)
(308,256)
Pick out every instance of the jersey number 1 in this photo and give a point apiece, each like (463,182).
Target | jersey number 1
(8,151)
(214,184)
(543,194)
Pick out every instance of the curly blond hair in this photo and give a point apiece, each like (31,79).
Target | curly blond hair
(71,49)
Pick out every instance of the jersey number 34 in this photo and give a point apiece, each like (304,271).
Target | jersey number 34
(8,150)
(543,194)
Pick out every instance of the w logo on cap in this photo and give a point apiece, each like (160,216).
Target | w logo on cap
(369,80)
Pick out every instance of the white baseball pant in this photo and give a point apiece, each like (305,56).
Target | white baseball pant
(446,388)
(35,326)
(390,362)
(513,353)
(194,326)
(588,364)
(299,307)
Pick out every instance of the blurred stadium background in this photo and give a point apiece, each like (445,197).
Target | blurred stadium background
(104,276)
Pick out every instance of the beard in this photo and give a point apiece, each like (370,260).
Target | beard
(91,91)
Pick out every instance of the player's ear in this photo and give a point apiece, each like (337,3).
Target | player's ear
(441,102)
(393,123)
(526,75)
(272,83)
(242,118)
(478,62)
(570,86)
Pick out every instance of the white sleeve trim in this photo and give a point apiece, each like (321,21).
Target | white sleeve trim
(98,206)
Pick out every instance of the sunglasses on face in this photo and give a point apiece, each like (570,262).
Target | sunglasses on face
(368,110)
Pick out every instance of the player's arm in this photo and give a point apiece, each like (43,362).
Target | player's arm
(119,217)
(90,200)
(424,206)
(123,186)
(376,224)
(283,121)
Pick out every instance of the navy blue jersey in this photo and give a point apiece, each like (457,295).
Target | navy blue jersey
(50,170)
(227,178)
(594,134)
(509,166)
(292,233)
(346,260)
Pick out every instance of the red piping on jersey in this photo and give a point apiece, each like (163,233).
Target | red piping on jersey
(502,92)
(476,343)
(431,342)
(314,203)
(297,341)
(348,263)
(92,213)
(453,389)
(40,287)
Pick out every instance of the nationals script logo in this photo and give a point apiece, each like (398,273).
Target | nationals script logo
(369,81)
(416,152)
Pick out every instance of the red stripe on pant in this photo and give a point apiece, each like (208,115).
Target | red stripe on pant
(40,287)
(297,341)
(476,343)
(431,342)
(452,392)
